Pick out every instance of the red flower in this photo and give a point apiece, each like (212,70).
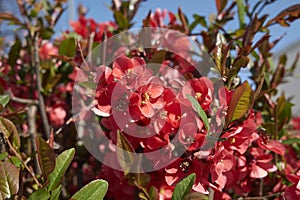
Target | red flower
(46,50)
(184,167)
(260,163)
(147,98)
(271,145)
(293,191)
(202,89)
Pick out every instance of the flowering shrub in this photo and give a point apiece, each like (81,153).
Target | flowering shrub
(201,135)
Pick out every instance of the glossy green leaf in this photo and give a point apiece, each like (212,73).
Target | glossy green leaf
(3,155)
(240,102)
(199,110)
(183,187)
(14,52)
(121,20)
(62,163)
(95,190)
(153,193)
(55,193)
(291,141)
(46,157)
(16,161)
(195,196)
(9,180)
(125,152)
(88,85)
(241,12)
(4,99)
(67,47)
(40,194)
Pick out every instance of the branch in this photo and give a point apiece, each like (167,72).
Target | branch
(36,66)
(24,163)
(21,100)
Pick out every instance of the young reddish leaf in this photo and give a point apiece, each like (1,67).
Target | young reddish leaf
(240,102)
(240,62)
(183,18)
(125,152)
(221,4)
(289,14)
(46,157)
(10,132)
(279,72)
(9,180)
(10,17)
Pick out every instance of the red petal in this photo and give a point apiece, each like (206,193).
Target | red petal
(258,172)
(155,88)
(272,145)
(147,110)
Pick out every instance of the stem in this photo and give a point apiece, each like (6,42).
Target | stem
(211,193)
(31,114)
(36,66)
(24,163)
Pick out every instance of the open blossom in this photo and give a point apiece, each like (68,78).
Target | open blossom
(148,98)
(182,168)
(260,163)
(202,89)
(47,49)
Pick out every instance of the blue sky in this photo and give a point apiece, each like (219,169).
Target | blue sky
(98,9)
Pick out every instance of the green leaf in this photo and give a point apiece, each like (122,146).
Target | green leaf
(199,110)
(241,12)
(55,193)
(125,152)
(46,157)
(88,85)
(240,102)
(290,141)
(121,20)
(94,190)
(3,155)
(14,52)
(40,194)
(67,47)
(195,196)
(153,193)
(183,187)
(9,180)
(62,163)
(16,161)
(4,99)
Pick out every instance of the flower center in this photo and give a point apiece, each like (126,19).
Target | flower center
(198,95)
(146,97)
(184,166)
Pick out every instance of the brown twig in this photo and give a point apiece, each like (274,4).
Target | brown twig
(24,163)
(36,66)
